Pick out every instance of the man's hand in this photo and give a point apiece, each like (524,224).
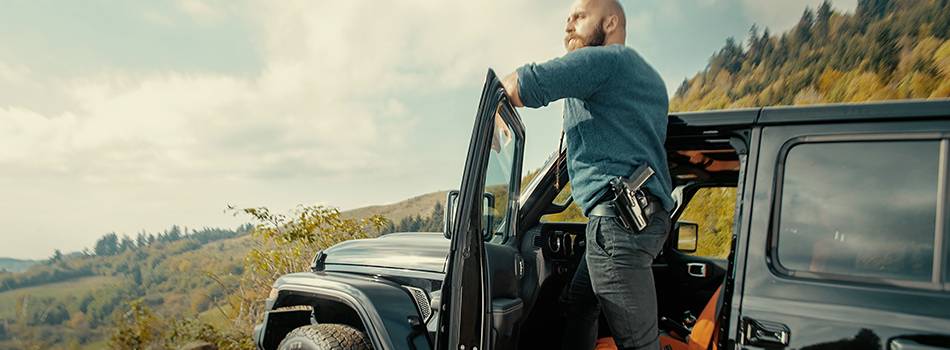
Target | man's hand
(510,83)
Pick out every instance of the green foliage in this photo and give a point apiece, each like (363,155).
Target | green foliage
(886,50)
(141,328)
(285,244)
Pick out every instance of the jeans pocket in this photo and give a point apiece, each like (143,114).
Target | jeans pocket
(622,247)
(595,238)
(651,238)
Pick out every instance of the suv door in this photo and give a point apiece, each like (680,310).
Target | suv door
(847,240)
(689,274)
(494,160)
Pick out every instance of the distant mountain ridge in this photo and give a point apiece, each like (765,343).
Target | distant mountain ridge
(16,265)
(420,205)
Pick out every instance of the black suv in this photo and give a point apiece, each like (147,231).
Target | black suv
(820,227)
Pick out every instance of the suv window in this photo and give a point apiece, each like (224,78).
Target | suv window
(713,209)
(860,209)
(573,212)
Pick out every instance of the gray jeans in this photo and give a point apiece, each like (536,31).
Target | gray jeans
(616,276)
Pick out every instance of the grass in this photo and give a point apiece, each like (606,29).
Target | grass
(58,290)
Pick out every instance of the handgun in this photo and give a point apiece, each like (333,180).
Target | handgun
(630,201)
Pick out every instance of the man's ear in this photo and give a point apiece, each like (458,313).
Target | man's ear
(610,23)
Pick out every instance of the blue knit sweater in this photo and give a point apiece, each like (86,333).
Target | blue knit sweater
(615,116)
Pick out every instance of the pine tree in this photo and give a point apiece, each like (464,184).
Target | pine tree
(126,244)
(884,56)
(870,10)
(823,20)
(107,245)
(141,240)
(941,28)
(803,31)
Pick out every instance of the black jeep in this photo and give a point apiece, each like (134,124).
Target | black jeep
(818,227)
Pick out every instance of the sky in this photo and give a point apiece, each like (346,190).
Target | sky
(131,116)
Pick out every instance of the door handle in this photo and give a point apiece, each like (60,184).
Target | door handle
(765,333)
(696,270)
(907,344)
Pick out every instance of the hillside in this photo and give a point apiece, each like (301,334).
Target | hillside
(418,205)
(886,49)
(180,275)
(73,300)
(15,265)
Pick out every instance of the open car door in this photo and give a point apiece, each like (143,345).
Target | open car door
(494,160)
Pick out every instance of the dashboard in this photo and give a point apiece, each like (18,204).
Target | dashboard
(562,245)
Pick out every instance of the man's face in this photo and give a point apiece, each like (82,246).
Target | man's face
(584,26)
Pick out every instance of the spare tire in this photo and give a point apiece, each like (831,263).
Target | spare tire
(328,336)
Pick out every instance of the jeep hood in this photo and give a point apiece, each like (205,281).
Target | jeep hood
(412,251)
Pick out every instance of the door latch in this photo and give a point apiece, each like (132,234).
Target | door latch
(696,270)
(764,333)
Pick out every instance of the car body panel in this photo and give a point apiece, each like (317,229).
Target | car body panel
(420,251)
(384,307)
(829,313)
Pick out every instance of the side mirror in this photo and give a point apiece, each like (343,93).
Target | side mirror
(687,236)
(488,212)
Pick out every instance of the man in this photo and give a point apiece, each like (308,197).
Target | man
(615,117)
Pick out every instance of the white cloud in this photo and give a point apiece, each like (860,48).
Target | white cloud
(202,10)
(13,74)
(779,15)
(333,78)
(329,103)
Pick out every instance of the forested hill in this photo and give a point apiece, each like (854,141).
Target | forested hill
(886,49)
(83,299)
(15,265)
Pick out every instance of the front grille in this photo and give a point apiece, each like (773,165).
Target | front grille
(422,302)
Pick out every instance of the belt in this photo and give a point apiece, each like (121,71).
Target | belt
(606,207)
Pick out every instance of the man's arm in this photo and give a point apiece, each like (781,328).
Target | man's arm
(579,74)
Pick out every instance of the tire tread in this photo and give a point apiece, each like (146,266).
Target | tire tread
(330,336)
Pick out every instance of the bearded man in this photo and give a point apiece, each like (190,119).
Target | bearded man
(615,119)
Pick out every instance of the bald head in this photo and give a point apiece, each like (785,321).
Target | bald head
(595,23)
(613,8)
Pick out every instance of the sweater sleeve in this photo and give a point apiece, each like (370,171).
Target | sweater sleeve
(578,74)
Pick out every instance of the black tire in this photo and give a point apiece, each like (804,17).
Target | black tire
(325,337)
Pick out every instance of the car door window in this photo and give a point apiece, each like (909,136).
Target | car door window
(712,209)
(862,210)
(498,177)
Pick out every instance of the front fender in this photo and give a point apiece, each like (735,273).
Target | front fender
(383,307)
